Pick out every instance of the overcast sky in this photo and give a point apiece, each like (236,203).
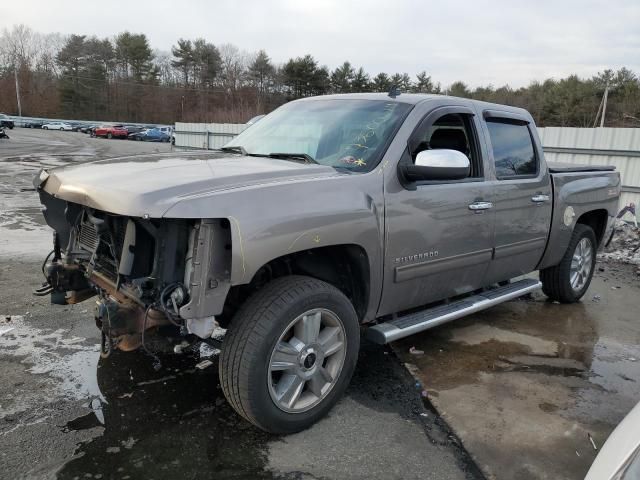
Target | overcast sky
(479,41)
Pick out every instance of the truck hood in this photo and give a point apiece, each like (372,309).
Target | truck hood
(150,185)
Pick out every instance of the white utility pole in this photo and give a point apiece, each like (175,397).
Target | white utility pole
(15,71)
(604,104)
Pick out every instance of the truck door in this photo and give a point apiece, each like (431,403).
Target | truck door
(522,195)
(439,234)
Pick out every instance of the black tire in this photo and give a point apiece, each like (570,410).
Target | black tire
(556,280)
(45,128)
(252,336)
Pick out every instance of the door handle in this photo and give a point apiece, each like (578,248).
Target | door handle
(540,198)
(479,206)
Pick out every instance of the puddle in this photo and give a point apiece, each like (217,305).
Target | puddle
(67,365)
(531,377)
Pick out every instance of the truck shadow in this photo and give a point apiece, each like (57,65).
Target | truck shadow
(170,423)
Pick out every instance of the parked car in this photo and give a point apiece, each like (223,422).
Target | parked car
(76,126)
(88,128)
(150,135)
(110,131)
(619,458)
(134,128)
(6,122)
(392,215)
(34,124)
(57,126)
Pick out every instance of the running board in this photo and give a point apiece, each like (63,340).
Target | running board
(416,322)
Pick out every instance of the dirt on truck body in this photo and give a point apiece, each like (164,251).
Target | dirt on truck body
(399,212)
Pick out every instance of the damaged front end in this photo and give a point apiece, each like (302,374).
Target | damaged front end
(165,274)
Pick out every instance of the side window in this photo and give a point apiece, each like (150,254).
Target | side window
(453,131)
(513,152)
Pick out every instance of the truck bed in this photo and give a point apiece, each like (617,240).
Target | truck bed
(578,189)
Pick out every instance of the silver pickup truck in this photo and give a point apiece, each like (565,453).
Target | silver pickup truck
(394,213)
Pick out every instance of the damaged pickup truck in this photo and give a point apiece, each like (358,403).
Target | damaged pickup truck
(389,214)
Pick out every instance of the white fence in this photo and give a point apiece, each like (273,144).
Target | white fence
(605,146)
(205,135)
(598,146)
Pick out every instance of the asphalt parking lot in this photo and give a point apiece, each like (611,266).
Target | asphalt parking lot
(522,391)
(65,413)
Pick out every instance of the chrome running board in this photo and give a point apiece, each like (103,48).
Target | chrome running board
(411,323)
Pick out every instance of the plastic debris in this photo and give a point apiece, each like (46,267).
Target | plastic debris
(592,442)
(424,394)
(180,347)
(577,453)
(204,364)
(415,351)
(596,298)
(5,330)
(207,350)
(424,414)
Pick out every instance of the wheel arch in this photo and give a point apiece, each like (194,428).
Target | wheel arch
(345,266)
(597,220)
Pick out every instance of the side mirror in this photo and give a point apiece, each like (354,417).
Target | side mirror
(441,164)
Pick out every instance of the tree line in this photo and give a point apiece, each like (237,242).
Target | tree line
(125,79)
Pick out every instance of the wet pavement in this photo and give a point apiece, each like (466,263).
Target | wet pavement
(66,413)
(529,384)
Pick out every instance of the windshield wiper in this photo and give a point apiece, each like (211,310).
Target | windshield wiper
(234,149)
(294,156)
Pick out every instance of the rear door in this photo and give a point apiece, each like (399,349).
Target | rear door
(522,194)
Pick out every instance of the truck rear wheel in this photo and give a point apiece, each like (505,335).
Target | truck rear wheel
(289,353)
(568,281)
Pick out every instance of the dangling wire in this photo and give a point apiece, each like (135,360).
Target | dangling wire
(44,264)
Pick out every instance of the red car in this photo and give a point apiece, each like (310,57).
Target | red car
(110,131)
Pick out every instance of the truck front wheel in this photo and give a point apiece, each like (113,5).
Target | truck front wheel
(289,353)
(568,281)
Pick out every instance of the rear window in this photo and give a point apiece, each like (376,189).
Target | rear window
(513,152)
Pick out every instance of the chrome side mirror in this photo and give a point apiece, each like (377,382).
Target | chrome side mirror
(441,164)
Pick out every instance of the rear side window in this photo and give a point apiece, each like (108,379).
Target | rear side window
(513,152)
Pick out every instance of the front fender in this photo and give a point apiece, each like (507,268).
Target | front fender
(270,221)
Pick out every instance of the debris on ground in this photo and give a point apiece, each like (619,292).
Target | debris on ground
(592,442)
(625,244)
(596,298)
(415,351)
(218,333)
(207,350)
(180,347)
(204,364)
(5,330)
